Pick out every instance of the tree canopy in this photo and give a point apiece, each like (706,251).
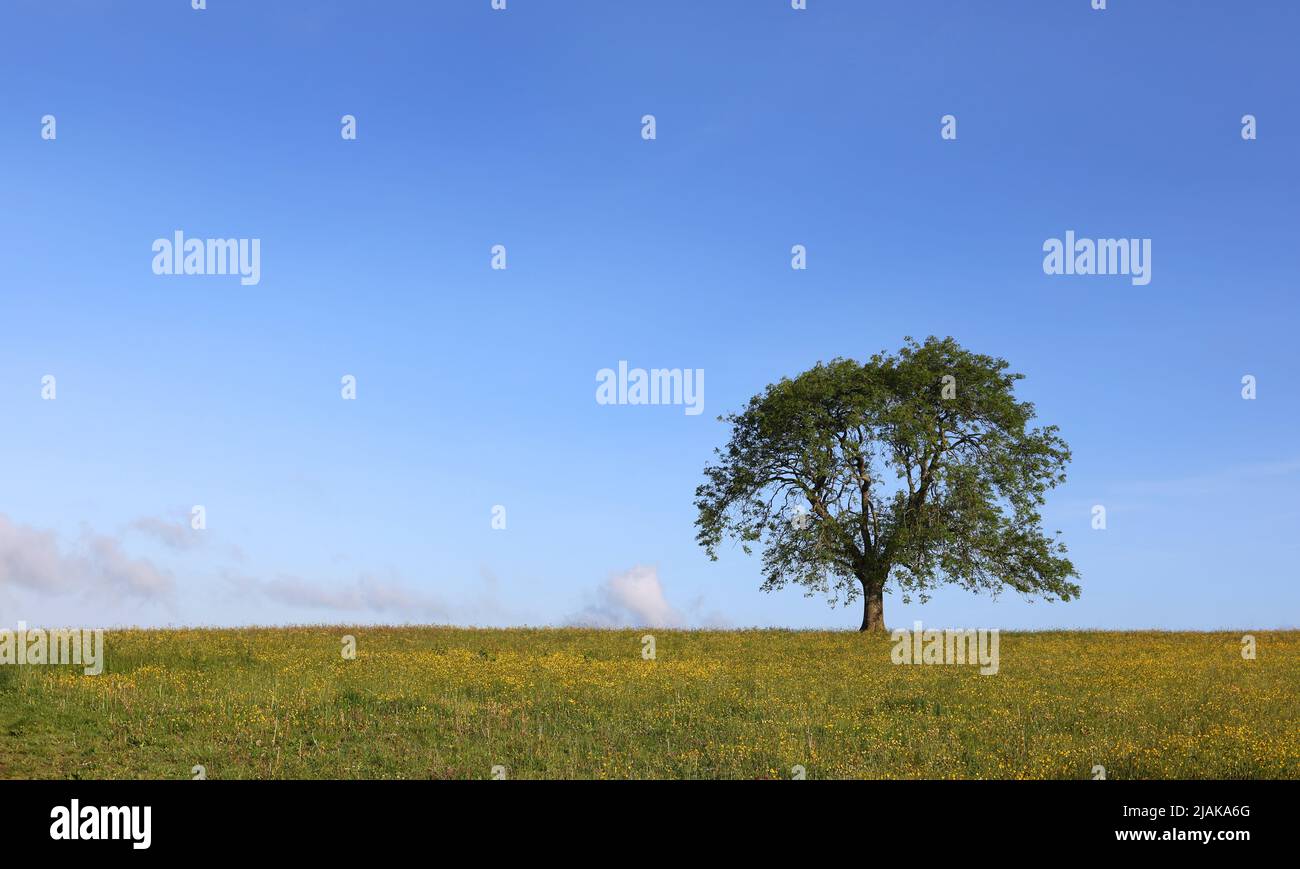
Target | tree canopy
(908,471)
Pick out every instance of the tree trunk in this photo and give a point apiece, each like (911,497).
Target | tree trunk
(873,606)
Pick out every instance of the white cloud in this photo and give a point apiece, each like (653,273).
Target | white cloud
(365,595)
(95,565)
(633,598)
(177,534)
(173,535)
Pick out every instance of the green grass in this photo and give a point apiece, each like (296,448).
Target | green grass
(454,703)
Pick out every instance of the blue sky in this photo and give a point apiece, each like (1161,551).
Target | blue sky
(475,387)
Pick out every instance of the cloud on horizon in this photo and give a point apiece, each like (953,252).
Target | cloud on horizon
(633,598)
(174,535)
(366,594)
(100,570)
(95,565)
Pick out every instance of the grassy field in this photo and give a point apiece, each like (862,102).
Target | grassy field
(454,703)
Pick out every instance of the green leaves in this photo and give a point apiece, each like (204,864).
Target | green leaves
(918,468)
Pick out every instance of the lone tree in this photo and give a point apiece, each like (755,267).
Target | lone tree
(918,468)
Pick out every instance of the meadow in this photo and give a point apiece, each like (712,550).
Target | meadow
(429,702)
